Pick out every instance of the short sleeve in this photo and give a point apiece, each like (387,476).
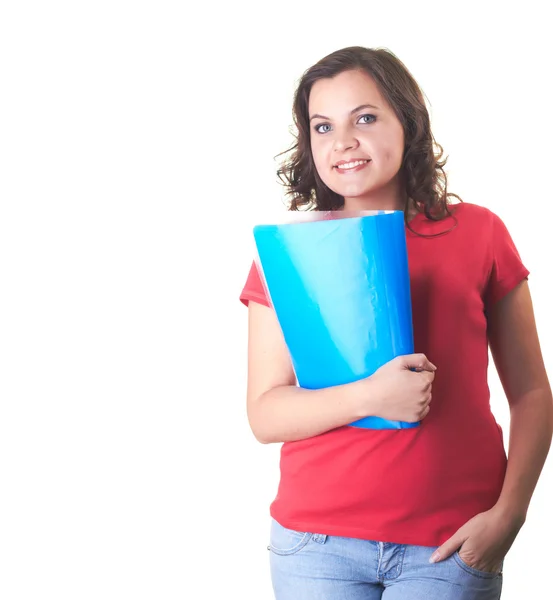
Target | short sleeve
(507,269)
(254,288)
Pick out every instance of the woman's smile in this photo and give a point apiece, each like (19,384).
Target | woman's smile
(351,167)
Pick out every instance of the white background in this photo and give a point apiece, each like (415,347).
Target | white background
(137,149)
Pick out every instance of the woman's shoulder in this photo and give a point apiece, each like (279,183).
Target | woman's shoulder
(474,216)
(467,217)
(469,210)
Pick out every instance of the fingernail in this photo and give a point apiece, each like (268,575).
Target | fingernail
(434,557)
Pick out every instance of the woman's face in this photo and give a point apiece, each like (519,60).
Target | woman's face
(344,128)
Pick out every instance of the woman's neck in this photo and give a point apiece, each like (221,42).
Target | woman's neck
(382,203)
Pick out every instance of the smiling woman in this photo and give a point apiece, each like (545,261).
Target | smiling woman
(429,511)
(363,104)
(357,155)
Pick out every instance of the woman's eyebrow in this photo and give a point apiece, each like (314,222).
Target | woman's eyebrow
(315,116)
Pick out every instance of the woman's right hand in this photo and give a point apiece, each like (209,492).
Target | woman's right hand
(401,390)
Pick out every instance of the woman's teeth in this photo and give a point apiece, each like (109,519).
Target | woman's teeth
(352,165)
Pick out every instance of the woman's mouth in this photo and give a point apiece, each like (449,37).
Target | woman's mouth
(352,167)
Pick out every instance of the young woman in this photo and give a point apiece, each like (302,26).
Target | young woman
(427,512)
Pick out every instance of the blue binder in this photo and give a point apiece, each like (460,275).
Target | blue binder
(340,288)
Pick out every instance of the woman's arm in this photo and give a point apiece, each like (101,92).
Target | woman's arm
(517,355)
(484,541)
(279,411)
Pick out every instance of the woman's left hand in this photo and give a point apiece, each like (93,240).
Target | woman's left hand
(483,542)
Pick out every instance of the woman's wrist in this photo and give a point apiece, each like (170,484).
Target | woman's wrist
(511,511)
(363,397)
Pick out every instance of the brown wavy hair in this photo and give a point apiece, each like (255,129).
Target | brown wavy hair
(422,167)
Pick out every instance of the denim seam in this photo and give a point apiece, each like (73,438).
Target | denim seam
(286,551)
(380,547)
(399,567)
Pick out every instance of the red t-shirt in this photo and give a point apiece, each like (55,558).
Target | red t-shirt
(419,485)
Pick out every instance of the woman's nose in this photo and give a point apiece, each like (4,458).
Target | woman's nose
(345,141)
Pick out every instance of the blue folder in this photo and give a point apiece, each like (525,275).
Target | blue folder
(340,288)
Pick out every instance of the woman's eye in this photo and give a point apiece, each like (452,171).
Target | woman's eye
(372,117)
(321,125)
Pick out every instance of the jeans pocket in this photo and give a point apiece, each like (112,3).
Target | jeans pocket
(284,541)
(473,571)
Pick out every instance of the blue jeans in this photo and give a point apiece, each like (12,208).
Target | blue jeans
(313,566)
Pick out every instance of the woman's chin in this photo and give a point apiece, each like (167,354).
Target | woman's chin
(356,196)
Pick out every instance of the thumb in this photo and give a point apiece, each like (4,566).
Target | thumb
(448,548)
(417,362)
